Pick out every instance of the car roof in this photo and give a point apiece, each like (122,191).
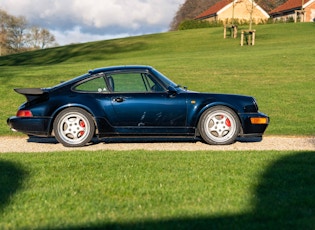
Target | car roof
(118,68)
(100,70)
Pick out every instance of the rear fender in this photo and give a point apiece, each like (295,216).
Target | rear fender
(57,111)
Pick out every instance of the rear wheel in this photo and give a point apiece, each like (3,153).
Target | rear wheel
(219,125)
(74,127)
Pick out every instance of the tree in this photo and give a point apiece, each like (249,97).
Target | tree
(4,17)
(39,38)
(46,38)
(16,35)
(33,37)
(15,41)
(189,10)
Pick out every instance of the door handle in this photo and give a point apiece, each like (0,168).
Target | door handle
(119,99)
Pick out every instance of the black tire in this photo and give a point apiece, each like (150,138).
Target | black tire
(74,127)
(219,125)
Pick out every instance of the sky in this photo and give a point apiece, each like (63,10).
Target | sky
(78,21)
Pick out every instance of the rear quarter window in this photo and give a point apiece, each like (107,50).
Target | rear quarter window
(93,85)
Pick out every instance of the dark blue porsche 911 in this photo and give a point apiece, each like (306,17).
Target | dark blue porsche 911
(134,101)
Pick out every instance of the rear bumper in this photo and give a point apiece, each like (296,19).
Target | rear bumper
(30,125)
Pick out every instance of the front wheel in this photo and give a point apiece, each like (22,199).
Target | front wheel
(74,127)
(219,125)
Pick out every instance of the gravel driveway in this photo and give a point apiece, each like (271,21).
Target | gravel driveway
(25,144)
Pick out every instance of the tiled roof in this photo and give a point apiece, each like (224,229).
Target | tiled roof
(288,5)
(214,9)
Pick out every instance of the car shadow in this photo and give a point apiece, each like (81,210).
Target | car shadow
(52,140)
(42,140)
(11,180)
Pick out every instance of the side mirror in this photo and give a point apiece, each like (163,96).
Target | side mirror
(171,91)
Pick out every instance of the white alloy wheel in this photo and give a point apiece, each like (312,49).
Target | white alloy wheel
(74,127)
(219,125)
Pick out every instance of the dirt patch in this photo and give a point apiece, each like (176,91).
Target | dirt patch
(25,144)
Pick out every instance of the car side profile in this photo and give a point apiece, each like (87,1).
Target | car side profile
(134,101)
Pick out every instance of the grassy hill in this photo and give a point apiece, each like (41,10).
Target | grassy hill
(279,70)
(178,189)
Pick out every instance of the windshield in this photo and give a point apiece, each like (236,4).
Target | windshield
(163,78)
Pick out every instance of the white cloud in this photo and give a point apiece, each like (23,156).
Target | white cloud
(77,36)
(83,20)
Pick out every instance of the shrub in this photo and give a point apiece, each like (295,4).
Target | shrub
(195,24)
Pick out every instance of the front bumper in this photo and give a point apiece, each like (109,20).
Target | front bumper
(254,129)
(36,126)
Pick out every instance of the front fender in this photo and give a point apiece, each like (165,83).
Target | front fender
(195,114)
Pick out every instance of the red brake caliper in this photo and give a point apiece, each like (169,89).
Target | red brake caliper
(82,124)
(228,122)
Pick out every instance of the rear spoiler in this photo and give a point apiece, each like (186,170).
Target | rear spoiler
(31,93)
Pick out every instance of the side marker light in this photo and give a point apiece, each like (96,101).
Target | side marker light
(259,120)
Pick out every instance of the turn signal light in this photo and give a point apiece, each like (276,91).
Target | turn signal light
(24,113)
(259,120)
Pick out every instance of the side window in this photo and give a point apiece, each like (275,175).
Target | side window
(127,82)
(93,85)
(132,82)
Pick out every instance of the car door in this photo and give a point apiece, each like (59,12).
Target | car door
(141,104)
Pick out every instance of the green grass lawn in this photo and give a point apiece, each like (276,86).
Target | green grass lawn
(157,190)
(279,70)
(171,190)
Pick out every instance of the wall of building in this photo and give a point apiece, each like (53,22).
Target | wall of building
(242,11)
(310,13)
